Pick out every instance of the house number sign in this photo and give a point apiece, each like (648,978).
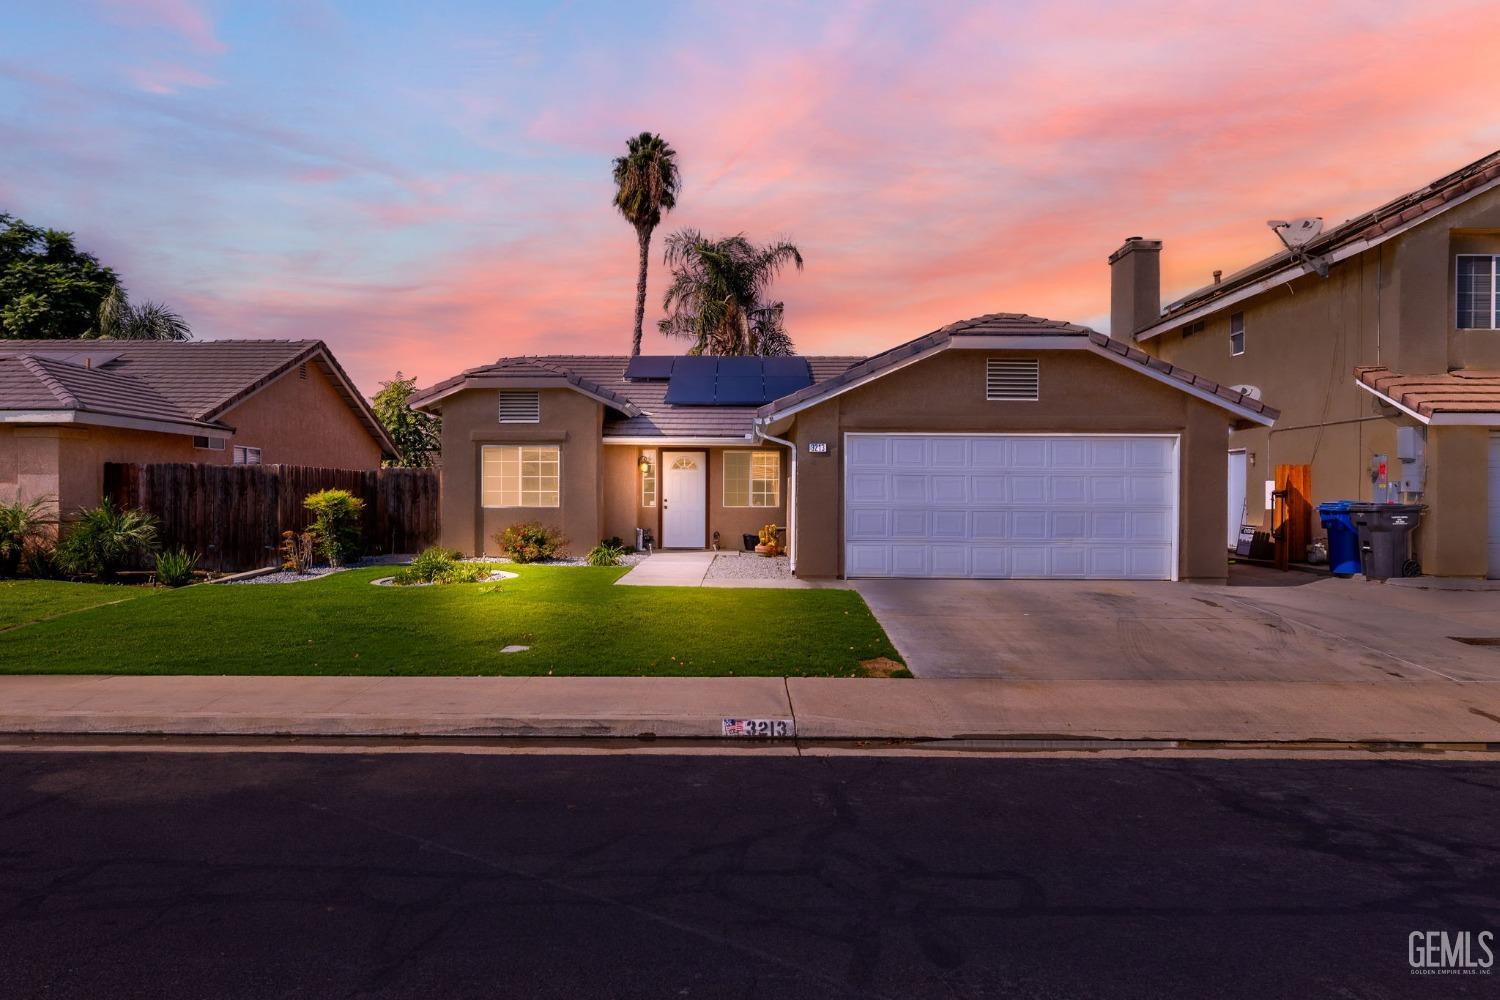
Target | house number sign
(818,447)
(759,727)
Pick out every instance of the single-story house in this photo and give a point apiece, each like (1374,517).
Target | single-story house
(68,407)
(1002,446)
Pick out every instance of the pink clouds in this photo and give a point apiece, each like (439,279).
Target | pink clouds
(184,18)
(162,78)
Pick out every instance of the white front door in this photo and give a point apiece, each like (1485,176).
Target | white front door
(1239,480)
(684,500)
(1015,506)
(1494,503)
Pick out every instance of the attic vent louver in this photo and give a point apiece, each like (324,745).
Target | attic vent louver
(520,406)
(1007,379)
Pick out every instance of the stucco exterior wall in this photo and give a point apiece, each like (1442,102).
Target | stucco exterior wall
(571,421)
(1394,305)
(294,421)
(1080,393)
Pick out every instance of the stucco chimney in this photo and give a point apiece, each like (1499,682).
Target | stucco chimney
(1134,286)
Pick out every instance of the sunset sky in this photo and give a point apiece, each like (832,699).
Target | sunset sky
(427,186)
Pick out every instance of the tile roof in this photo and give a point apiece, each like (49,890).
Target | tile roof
(1009,325)
(1466,390)
(640,408)
(193,381)
(1371,225)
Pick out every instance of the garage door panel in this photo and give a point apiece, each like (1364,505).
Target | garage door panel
(999,506)
(865,450)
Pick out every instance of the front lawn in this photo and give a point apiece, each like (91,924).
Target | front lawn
(573,618)
(23,601)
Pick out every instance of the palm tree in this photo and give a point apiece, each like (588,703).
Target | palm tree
(120,320)
(646,185)
(717,295)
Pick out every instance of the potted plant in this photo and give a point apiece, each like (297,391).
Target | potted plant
(768,545)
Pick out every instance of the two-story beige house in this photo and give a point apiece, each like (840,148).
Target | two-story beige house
(1379,341)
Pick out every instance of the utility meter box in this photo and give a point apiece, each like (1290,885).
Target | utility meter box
(1411,445)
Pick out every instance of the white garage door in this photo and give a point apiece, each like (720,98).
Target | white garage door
(1010,506)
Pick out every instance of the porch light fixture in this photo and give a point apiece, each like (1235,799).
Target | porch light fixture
(645,463)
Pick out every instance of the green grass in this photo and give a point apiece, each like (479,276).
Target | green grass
(573,618)
(23,601)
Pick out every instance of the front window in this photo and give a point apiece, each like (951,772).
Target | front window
(246,456)
(520,476)
(1478,292)
(1237,334)
(752,479)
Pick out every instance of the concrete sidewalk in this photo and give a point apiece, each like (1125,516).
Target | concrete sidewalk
(823,708)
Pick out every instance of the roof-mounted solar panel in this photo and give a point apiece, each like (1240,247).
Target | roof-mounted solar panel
(787,367)
(739,390)
(710,381)
(649,368)
(692,381)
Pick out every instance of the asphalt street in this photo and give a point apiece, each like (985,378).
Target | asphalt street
(260,875)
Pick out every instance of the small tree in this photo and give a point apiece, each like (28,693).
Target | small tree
(418,435)
(336,522)
(24,527)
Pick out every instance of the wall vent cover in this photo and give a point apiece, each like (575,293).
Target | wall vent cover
(1012,379)
(520,406)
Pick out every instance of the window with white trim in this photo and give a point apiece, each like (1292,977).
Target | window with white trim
(1237,334)
(520,406)
(519,475)
(208,443)
(244,455)
(752,479)
(1478,280)
(1017,379)
(648,479)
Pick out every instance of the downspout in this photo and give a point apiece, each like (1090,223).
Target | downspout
(791,496)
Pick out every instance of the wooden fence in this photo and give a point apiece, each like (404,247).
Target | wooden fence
(233,515)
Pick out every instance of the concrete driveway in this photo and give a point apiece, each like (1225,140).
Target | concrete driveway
(1263,625)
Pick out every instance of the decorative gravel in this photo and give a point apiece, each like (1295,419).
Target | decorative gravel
(287,576)
(749,566)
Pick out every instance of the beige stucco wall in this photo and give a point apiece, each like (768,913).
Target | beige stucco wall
(1081,393)
(294,421)
(1393,306)
(570,420)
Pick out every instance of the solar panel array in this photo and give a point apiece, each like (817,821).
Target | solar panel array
(708,381)
(649,368)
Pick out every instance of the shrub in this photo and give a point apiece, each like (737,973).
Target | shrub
(531,541)
(298,549)
(605,554)
(439,565)
(174,567)
(336,521)
(99,542)
(23,532)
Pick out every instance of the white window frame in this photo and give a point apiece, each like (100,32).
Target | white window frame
(1233,333)
(245,454)
(530,399)
(209,444)
(648,479)
(763,491)
(1494,309)
(545,499)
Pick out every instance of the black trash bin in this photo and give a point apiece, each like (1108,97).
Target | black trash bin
(1385,538)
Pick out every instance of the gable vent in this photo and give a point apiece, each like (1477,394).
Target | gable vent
(522,406)
(1012,379)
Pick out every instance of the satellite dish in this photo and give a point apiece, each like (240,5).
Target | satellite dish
(1298,232)
(1248,391)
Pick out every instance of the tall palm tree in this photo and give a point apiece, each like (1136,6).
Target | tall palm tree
(717,296)
(646,185)
(119,319)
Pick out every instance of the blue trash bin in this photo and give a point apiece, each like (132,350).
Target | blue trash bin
(1343,537)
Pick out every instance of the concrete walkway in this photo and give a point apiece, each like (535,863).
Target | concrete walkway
(821,708)
(669,569)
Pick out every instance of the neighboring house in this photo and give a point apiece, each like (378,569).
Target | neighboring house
(1003,446)
(68,407)
(1388,321)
